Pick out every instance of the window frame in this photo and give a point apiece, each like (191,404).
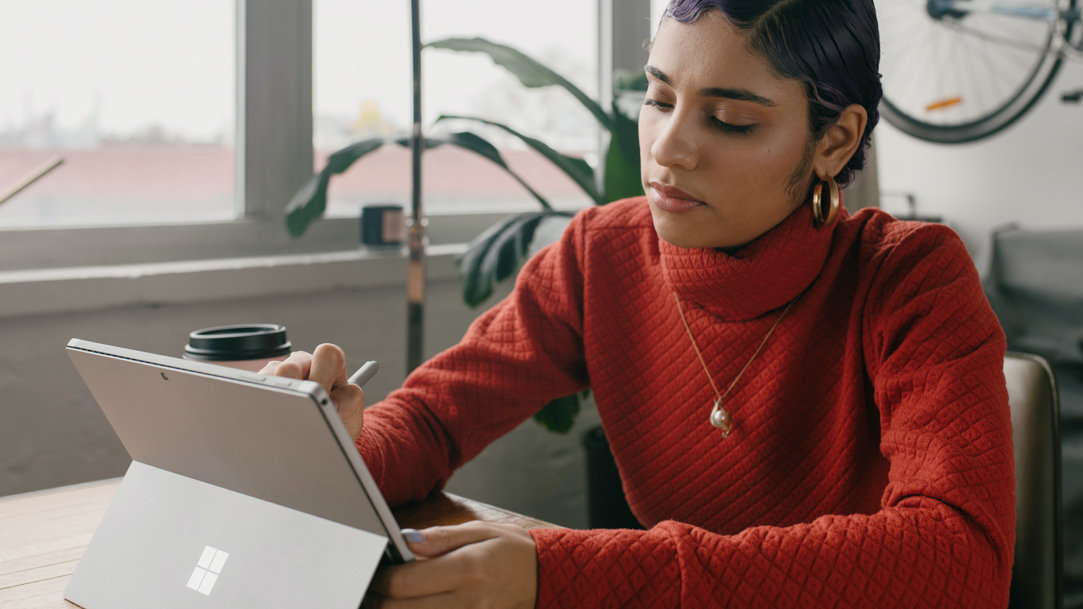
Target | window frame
(274,109)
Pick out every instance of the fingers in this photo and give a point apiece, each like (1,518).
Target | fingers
(462,559)
(296,366)
(441,540)
(421,578)
(434,575)
(328,366)
(349,400)
(329,370)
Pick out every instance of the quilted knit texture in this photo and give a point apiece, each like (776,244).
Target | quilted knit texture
(870,463)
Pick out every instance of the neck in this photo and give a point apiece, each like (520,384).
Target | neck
(759,277)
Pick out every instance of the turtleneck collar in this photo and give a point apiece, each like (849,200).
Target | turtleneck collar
(759,277)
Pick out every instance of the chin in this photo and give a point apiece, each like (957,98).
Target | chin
(679,236)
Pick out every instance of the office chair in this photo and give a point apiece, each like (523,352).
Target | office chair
(1037,572)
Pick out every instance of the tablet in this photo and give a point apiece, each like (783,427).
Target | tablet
(244,490)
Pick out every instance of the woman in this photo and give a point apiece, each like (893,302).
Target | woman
(807,407)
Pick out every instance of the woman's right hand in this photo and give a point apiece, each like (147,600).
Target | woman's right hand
(326,365)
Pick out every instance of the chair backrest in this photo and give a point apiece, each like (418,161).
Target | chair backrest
(1032,394)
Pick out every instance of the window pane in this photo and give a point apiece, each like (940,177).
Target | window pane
(658,8)
(136,97)
(363,89)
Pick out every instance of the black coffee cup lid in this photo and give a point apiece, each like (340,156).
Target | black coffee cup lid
(237,343)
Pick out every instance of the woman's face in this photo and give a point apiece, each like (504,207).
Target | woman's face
(724,143)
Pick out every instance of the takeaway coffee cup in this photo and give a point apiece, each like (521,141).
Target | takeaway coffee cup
(245,346)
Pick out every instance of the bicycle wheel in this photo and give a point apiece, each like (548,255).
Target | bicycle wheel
(960,70)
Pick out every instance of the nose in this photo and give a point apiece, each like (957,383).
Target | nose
(675,142)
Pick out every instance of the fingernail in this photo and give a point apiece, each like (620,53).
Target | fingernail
(413,535)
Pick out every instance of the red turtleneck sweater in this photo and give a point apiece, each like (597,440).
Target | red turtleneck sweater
(870,462)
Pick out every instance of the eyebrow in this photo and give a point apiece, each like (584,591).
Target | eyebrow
(724,92)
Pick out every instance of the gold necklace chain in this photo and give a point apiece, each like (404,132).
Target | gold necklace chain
(720,417)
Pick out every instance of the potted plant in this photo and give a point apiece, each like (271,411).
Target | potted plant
(502,248)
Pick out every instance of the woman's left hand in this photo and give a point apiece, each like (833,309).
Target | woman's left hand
(475,564)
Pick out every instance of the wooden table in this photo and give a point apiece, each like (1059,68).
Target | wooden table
(43,534)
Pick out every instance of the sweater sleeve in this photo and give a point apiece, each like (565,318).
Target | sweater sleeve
(944,533)
(516,357)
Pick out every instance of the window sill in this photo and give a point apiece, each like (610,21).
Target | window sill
(62,247)
(76,289)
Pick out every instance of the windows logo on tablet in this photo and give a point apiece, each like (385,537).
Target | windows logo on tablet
(207,570)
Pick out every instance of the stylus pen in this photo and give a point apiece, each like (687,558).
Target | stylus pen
(365,373)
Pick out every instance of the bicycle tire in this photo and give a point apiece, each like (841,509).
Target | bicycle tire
(936,94)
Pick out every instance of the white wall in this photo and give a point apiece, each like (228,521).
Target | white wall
(52,433)
(1031,174)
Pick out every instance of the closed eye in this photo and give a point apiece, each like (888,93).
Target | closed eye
(716,123)
(731,128)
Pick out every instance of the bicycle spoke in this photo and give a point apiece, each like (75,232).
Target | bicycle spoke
(968,72)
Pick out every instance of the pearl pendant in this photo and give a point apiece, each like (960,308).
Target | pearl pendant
(720,419)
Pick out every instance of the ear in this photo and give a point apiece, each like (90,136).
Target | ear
(840,141)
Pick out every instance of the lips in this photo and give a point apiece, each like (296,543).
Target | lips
(672,199)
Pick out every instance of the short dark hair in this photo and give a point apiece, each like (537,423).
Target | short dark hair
(832,46)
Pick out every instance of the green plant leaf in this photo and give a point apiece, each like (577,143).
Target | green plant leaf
(621,179)
(310,201)
(427,143)
(497,253)
(559,415)
(479,145)
(626,127)
(622,175)
(626,80)
(529,71)
(575,168)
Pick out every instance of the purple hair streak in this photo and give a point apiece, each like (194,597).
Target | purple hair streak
(832,46)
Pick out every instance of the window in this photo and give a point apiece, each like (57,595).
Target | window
(264,58)
(220,99)
(363,89)
(658,8)
(140,116)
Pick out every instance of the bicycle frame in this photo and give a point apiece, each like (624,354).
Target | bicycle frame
(979,66)
(957,9)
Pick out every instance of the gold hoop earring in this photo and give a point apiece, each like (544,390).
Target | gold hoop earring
(835,202)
